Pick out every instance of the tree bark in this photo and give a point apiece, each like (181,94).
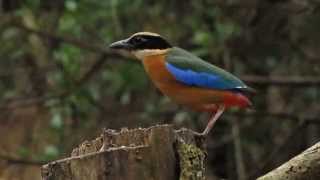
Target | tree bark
(156,153)
(304,166)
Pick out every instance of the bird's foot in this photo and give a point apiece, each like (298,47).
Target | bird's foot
(102,148)
(202,134)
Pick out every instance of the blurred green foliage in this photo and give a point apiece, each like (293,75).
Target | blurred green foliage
(48,46)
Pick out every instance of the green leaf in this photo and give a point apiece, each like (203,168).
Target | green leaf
(51,152)
(24,152)
(56,121)
(71,5)
(202,38)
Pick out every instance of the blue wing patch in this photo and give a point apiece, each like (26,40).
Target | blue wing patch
(201,79)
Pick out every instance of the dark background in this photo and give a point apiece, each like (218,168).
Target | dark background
(61,85)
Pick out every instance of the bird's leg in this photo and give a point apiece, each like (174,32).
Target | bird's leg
(212,120)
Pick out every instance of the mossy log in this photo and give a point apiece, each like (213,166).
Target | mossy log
(156,153)
(304,166)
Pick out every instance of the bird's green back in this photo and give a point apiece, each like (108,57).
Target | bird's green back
(184,60)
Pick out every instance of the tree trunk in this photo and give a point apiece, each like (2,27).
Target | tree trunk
(156,153)
(304,166)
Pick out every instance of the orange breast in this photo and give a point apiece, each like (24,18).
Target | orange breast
(197,98)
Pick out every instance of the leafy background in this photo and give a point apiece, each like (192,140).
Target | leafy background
(61,85)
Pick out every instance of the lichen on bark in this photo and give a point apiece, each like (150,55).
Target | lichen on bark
(191,161)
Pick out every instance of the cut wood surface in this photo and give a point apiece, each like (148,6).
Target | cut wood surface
(156,153)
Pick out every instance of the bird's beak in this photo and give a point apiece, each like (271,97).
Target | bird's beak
(122,44)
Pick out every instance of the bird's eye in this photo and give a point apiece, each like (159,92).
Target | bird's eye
(138,40)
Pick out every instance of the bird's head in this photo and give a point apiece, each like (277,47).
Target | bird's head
(143,44)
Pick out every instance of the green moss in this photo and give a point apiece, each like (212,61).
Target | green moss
(191,162)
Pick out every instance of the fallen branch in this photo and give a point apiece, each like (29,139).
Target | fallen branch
(304,166)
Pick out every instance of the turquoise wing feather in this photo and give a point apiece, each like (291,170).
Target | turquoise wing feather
(191,70)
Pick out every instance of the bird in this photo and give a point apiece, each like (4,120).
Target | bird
(185,78)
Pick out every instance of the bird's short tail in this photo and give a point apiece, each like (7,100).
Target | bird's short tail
(244,101)
(238,99)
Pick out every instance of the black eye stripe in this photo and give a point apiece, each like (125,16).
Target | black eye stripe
(149,42)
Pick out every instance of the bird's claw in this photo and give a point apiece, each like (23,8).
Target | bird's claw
(202,134)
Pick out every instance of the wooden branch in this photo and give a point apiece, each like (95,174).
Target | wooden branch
(304,166)
(12,160)
(158,153)
(67,39)
(26,101)
(251,79)
(93,47)
(282,81)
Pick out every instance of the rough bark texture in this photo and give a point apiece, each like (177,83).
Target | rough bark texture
(156,153)
(304,166)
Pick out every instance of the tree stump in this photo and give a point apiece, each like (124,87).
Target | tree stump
(156,153)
